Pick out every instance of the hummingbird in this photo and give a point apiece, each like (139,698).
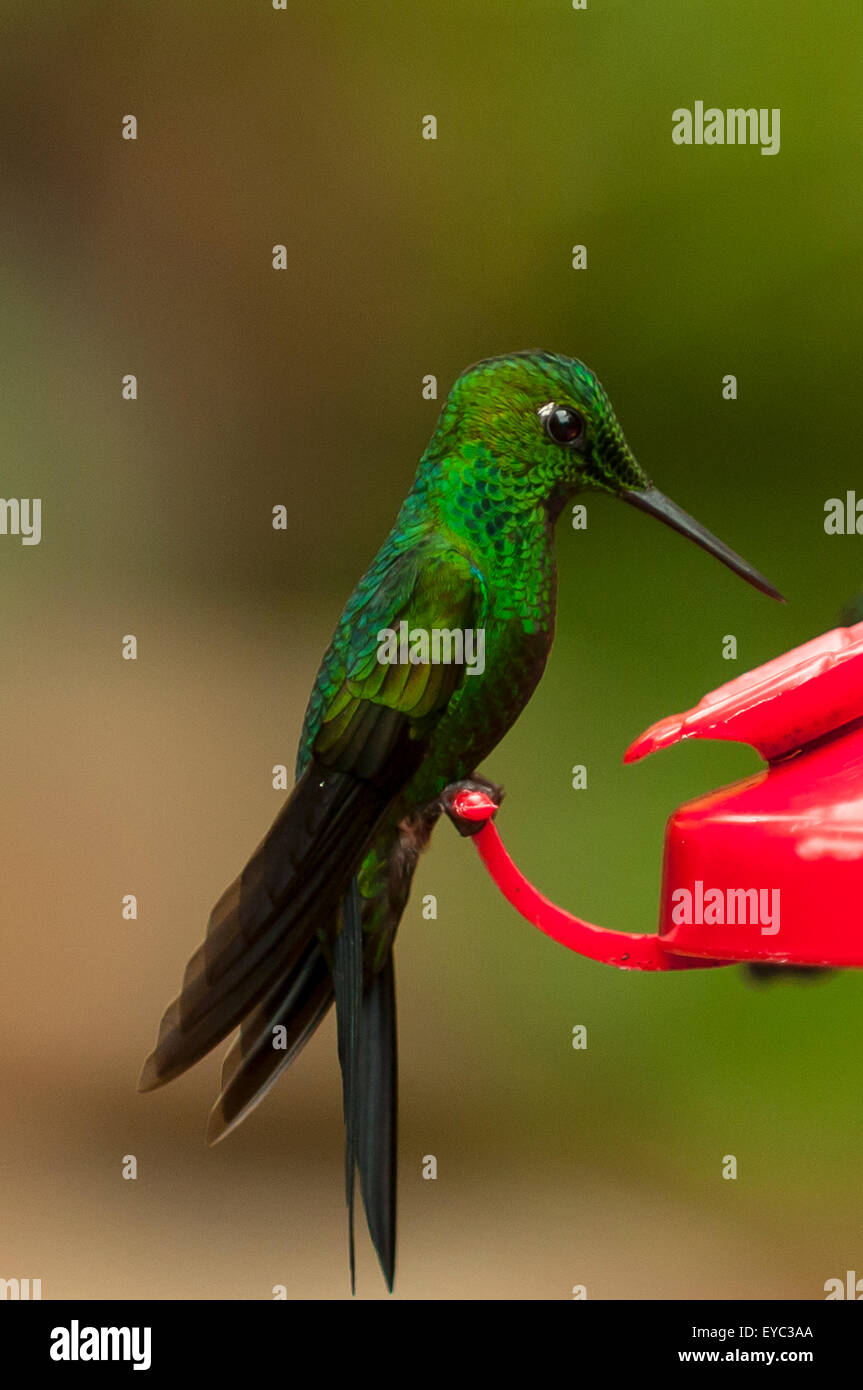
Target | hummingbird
(312,918)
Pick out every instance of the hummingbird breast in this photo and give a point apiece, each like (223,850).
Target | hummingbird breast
(518,628)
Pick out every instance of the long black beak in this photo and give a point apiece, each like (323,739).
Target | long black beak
(655,503)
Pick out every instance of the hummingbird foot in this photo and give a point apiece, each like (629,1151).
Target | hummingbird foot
(470,803)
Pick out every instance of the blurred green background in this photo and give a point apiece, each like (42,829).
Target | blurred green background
(406,257)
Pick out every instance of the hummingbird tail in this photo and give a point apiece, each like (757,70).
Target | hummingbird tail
(367,1053)
(378,1106)
(348,987)
(261,927)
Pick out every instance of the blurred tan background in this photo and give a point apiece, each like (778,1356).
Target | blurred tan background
(556,1167)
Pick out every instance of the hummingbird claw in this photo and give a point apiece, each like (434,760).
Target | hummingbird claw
(471,803)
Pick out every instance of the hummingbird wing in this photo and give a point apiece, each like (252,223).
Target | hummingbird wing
(363,711)
(445,594)
(435,587)
(369,738)
(271,1036)
(260,927)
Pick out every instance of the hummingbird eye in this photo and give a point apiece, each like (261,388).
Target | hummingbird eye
(563,424)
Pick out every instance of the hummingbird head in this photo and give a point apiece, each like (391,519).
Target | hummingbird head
(546,427)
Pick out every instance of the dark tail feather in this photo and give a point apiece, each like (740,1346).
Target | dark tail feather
(254,1063)
(348,987)
(261,926)
(378,1114)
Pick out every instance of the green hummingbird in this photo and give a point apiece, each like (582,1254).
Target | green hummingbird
(312,918)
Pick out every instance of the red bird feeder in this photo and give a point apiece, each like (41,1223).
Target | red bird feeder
(769,869)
